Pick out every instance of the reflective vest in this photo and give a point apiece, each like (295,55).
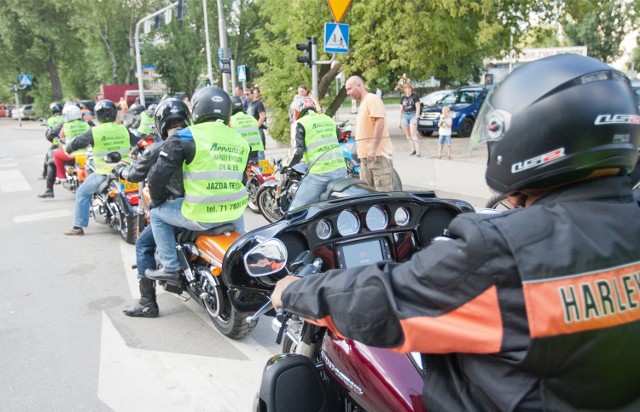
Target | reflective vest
(321,142)
(73,129)
(107,138)
(213,180)
(247,126)
(53,121)
(146,124)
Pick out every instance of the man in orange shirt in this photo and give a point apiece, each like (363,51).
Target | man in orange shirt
(372,135)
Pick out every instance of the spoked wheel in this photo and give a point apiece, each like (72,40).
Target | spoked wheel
(252,190)
(268,204)
(499,202)
(224,316)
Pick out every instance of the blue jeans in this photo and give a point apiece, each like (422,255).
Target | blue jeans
(145,251)
(83,198)
(165,218)
(313,186)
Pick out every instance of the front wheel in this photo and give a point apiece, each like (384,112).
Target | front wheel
(397,183)
(268,204)
(498,201)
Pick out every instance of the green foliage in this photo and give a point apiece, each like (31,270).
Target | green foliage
(600,25)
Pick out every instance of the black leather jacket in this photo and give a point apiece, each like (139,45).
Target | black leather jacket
(139,170)
(535,308)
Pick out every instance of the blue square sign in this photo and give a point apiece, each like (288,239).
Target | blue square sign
(24,79)
(336,38)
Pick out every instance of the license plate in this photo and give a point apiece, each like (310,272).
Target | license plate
(425,122)
(129,186)
(267,167)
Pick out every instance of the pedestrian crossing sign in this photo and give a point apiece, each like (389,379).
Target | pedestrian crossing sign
(242,73)
(336,38)
(24,79)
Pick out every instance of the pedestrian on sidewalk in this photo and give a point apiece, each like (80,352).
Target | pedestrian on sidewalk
(372,136)
(444,131)
(409,112)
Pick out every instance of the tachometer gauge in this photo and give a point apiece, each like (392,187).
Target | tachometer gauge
(323,229)
(348,223)
(402,216)
(376,218)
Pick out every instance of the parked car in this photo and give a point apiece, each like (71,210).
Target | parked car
(9,109)
(433,97)
(465,103)
(25,112)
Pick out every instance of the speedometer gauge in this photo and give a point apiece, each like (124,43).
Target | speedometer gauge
(401,216)
(376,218)
(348,223)
(323,229)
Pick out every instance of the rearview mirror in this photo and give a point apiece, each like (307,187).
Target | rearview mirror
(265,259)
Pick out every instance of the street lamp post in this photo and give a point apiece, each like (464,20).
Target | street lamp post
(137,46)
(207,45)
(223,42)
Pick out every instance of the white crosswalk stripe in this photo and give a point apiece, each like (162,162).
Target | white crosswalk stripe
(13,181)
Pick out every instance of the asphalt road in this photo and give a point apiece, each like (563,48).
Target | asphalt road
(65,343)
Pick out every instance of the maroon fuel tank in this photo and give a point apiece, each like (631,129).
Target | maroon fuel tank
(377,379)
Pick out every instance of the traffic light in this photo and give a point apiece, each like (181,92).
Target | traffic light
(180,10)
(306,48)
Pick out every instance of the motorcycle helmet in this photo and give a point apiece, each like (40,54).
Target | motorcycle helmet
(106,111)
(136,109)
(209,104)
(169,111)
(554,121)
(56,108)
(71,112)
(151,109)
(303,106)
(236,105)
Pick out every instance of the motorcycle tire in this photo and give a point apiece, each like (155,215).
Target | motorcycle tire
(498,201)
(252,189)
(268,204)
(397,183)
(226,318)
(128,225)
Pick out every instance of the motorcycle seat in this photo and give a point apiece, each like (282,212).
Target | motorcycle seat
(185,235)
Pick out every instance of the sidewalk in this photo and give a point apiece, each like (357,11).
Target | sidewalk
(461,177)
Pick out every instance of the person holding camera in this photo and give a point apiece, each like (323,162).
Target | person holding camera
(444,131)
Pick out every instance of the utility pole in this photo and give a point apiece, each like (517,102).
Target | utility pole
(208,44)
(222,28)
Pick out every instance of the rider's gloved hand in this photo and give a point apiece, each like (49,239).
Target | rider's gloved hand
(116,170)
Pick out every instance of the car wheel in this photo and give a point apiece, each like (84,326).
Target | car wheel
(465,128)
(425,134)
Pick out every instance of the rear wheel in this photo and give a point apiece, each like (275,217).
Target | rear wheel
(252,189)
(224,316)
(268,204)
(129,228)
(465,128)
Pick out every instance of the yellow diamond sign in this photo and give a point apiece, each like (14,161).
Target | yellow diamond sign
(338,8)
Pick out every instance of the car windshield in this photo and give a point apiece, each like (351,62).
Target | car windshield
(461,96)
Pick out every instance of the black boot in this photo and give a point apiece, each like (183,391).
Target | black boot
(146,306)
(51,179)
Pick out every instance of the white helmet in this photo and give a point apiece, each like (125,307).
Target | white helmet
(71,112)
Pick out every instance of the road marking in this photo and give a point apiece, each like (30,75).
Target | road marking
(42,216)
(9,165)
(13,181)
(133,379)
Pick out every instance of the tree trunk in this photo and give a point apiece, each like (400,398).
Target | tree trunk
(104,35)
(327,78)
(56,86)
(335,104)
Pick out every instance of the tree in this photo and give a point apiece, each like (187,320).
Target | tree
(600,25)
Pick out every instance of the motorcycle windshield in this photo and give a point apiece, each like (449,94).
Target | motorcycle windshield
(338,169)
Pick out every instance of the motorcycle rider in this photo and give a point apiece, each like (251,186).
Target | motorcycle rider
(72,127)
(537,308)
(213,158)
(106,138)
(247,126)
(171,116)
(317,141)
(147,121)
(53,121)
